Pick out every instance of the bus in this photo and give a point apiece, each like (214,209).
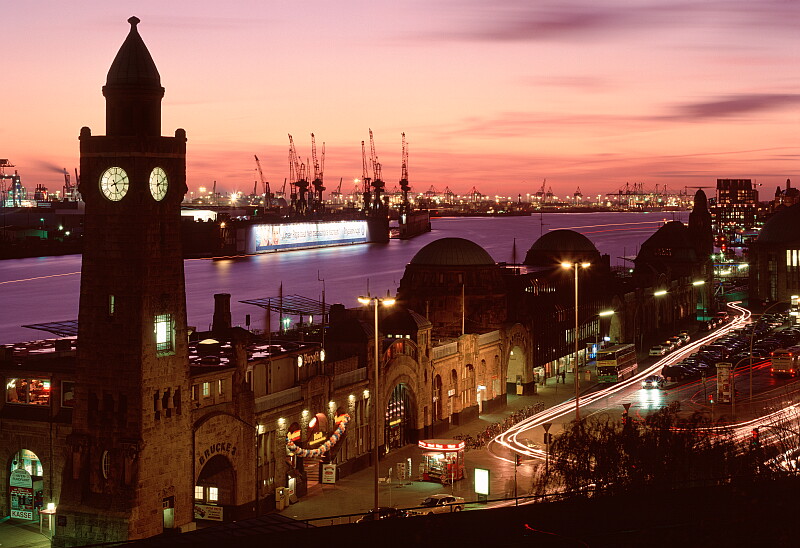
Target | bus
(784,361)
(616,363)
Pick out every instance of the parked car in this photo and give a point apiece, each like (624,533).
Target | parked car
(384,512)
(439,504)
(654,381)
(657,350)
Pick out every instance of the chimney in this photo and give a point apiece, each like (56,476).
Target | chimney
(222,312)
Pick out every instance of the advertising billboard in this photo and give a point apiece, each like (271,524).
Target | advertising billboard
(265,238)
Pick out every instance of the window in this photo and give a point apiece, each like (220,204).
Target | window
(198,492)
(194,392)
(206,389)
(105,465)
(213,494)
(111,305)
(67,394)
(165,334)
(220,385)
(28,391)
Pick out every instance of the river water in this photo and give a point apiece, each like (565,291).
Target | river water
(47,289)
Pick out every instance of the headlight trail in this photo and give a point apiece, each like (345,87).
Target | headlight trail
(509,438)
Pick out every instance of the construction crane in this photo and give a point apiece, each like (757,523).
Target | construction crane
(264,185)
(336,195)
(404,187)
(377,182)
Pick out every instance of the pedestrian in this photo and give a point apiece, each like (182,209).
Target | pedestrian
(564,377)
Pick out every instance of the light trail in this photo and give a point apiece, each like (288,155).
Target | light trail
(661,222)
(38,278)
(509,438)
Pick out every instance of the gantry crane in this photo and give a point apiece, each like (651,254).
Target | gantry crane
(298,172)
(365,178)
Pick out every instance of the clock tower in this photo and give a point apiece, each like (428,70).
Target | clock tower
(129,462)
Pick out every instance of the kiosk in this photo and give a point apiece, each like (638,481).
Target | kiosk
(442,460)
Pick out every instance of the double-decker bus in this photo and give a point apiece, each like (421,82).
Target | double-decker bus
(616,363)
(785,361)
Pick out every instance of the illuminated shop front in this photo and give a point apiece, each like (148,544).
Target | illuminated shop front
(442,461)
(25,485)
(28,391)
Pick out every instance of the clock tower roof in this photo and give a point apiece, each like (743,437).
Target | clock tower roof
(133,65)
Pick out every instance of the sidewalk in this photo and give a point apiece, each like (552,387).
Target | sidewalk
(22,534)
(354,494)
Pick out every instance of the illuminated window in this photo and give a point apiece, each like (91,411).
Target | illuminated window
(206,389)
(198,492)
(111,305)
(213,494)
(165,335)
(28,391)
(220,384)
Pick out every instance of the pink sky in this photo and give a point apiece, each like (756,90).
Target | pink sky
(493,95)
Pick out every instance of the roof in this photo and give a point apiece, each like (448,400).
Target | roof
(452,252)
(295,305)
(560,245)
(133,65)
(403,320)
(783,227)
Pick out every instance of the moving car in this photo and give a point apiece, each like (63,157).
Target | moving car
(439,504)
(654,381)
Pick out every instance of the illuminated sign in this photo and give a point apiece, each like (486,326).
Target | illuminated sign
(278,237)
(481,481)
(441,445)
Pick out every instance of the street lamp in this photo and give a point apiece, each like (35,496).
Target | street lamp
(385,302)
(574,266)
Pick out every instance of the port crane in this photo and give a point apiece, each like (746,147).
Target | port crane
(297,172)
(404,186)
(264,184)
(365,178)
(319,167)
(377,182)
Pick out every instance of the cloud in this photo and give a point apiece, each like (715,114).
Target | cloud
(523,20)
(734,105)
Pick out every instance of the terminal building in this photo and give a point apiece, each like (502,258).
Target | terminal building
(133,423)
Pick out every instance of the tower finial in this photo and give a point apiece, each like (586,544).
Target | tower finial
(134,21)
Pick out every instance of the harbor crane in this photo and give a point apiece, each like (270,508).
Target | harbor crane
(264,185)
(404,187)
(377,182)
(297,171)
(365,178)
(319,167)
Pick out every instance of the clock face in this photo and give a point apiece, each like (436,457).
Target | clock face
(114,183)
(158,183)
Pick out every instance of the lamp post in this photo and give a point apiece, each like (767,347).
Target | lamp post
(574,266)
(386,302)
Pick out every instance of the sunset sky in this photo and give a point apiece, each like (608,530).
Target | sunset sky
(493,95)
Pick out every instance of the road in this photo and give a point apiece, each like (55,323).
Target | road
(772,399)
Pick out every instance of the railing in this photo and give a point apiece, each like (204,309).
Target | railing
(487,338)
(445,350)
(271,401)
(343,379)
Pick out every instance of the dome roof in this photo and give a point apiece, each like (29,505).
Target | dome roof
(133,65)
(560,245)
(452,252)
(783,227)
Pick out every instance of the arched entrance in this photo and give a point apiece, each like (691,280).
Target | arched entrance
(516,369)
(25,485)
(215,489)
(399,418)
